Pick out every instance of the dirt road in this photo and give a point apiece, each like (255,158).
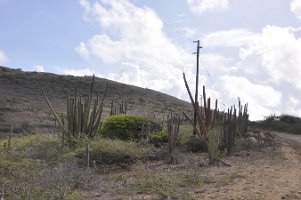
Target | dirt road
(267,174)
(292,140)
(291,137)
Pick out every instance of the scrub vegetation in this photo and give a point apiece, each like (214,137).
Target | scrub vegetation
(79,142)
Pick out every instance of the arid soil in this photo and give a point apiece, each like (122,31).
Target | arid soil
(264,173)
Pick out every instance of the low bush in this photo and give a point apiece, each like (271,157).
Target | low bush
(195,144)
(127,127)
(158,137)
(41,147)
(37,168)
(113,152)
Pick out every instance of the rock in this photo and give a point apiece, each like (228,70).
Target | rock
(250,141)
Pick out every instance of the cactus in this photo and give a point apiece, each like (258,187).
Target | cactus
(88,154)
(206,118)
(83,115)
(213,144)
(118,108)
(234,125)
(173,125)
(243,119)
(9,139)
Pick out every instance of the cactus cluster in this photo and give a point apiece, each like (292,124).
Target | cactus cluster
(205,118)
(229,125)
(118,108)
(234,124)
(83,114)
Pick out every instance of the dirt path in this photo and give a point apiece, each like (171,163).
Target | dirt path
(261,177)
(267,175)
(287,136)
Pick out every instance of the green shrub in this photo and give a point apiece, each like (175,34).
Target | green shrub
(158,137)
(127,127)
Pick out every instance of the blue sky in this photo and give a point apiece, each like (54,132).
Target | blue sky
(251,48)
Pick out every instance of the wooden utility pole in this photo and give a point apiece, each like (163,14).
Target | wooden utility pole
(196,81)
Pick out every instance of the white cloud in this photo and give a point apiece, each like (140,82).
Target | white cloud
(214,64)
(79,72)
(294,101)
(270,63)
(296,8)
(229,38)
(200,6)
(38,68)
(3,58)
(250,92)
(135,36)
(261,98)
(135,50)
(137,76)
(83,51)
(291,105)
(275,53)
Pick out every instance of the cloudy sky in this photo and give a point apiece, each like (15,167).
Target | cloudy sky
(251,48)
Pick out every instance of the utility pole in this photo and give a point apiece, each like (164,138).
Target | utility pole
(196,82)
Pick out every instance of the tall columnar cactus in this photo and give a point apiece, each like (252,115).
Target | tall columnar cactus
(173,125)
(205,116)
(118,108)
(243,119)
(205,123)
(229,123)
(234,124)
(213,144)
(83,115)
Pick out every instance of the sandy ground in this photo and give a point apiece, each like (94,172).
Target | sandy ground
(263,175)
(254,174)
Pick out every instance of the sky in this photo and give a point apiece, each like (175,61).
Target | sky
(250,48)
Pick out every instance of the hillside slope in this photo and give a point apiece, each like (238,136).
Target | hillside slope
(22,102)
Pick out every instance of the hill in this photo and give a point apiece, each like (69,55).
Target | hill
(283,123)
(22,102)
